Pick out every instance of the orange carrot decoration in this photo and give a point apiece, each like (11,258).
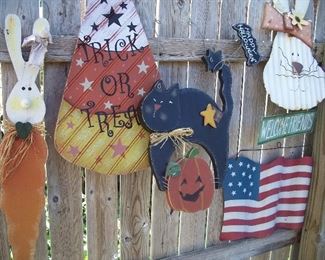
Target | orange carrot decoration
(23,150)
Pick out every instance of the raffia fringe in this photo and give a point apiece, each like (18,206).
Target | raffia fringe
(177,136)
(9,161)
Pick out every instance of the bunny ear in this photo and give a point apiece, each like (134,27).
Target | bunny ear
(282,5)
(13,40)
(301,7)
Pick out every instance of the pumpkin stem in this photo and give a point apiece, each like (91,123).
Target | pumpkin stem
(192,153)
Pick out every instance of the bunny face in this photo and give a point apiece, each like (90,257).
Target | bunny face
(292,76)
(25,104)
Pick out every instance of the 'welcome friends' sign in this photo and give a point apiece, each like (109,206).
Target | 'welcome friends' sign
(275,127)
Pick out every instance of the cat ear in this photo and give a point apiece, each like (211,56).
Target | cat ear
(174,90)
(159,86)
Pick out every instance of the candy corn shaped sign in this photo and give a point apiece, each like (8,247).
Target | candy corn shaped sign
(111,71)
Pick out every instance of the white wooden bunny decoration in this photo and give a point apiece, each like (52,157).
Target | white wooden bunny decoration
(25,102)
(23,150)
(292,76)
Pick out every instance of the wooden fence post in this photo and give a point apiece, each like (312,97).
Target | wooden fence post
(64,179)
(312,244)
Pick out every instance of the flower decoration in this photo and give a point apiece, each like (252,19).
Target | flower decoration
(297,20)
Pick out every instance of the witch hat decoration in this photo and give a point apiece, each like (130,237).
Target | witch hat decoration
(112,69)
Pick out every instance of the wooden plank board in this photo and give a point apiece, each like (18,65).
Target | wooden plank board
(28,12)
(164,49)
(242,249)
(312,240)
(281,253)
(254,91)
(265,256)
(312,235)
(204,24)
(64,179)
(135,215)
(174,22)
(136,188)
(102,210)
(228,16)
(254,95)
(41,245)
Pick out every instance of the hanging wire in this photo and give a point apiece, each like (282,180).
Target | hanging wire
(277,147)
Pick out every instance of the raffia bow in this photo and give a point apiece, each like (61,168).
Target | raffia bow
(8,161)
(275,20)
(177,136)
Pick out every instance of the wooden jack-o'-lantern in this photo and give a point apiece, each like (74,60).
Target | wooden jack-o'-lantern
(191,189)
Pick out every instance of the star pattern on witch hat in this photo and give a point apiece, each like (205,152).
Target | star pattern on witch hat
(123,5)
(94,27)
(108,105)
(141,92)
(208,116)
(143,68)
(132,27)
(70,125)
(113,17)
(74,150)
(80,62)
(87,84)
(119,148)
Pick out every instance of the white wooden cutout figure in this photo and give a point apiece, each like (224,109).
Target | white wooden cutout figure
(292,76)
(25,102)
(23,150)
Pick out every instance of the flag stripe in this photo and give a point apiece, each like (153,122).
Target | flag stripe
(288,176)
(284,183)
(264,213)
(268,206)
(259,204)
(265,219)
(285,170)
(263,195)
(258,234)
(263,226)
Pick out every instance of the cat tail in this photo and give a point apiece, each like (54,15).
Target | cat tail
(225,92)
(221,146)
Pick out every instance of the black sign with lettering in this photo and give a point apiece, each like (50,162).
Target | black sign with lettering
(248,43)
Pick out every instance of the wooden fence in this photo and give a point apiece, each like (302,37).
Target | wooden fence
(126,217)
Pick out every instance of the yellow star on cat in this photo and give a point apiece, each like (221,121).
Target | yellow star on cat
(208,115)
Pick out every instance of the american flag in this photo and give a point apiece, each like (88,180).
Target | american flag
(258,199)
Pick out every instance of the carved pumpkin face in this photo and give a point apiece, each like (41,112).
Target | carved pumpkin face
(192,190)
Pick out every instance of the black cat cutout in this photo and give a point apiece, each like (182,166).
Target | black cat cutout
(164,110)
(213,60)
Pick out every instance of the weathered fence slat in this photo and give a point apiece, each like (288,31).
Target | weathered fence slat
(136,188)
(102,215)
(228,17)
(281,254)
(135,216)
(255,94)
(64,179)
(312,240)
(204,24)
(102,210)
(174,22)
